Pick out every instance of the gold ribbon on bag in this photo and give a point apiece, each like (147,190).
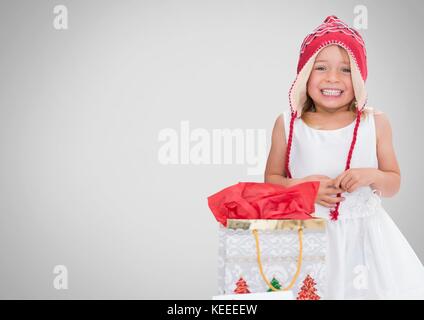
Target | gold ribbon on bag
(291,225)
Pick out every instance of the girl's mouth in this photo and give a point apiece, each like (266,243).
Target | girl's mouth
(332,92)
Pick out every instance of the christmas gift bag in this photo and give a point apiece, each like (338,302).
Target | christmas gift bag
(270,255)
(269,241)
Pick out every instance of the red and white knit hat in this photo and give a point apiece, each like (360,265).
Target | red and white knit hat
(332,31)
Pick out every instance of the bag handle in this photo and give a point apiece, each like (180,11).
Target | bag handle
(299,261)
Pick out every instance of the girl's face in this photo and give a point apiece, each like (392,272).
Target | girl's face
(330,83)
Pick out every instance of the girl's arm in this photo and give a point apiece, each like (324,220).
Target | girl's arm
(387,177)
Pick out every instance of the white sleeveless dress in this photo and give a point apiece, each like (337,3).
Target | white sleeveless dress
(367,255)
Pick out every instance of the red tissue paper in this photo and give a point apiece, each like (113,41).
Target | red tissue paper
(255,200)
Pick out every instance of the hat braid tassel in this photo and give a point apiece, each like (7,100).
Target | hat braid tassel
(335,213)
(289,144)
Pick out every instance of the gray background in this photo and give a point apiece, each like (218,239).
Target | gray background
(81,110)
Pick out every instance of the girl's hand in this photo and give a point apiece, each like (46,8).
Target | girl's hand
(326,192)
(352,179)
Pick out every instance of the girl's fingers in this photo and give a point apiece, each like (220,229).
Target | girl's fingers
(332,200)
(346,182)
(333,190)
(325,204)
(338,180)
(322,176)
(353,187)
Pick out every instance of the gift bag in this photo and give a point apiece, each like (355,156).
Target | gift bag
(270,255)
(269,241)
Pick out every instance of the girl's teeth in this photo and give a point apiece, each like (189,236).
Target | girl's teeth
(331,92)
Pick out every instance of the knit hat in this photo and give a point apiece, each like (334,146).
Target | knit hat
(332,31)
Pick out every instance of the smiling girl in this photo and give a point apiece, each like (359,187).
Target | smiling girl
(330,135)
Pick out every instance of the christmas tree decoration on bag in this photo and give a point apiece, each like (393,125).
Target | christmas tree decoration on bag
(308,290)
(268,229)
(275,284)
(241,286)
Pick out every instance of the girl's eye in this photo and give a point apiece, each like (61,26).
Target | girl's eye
(323,68)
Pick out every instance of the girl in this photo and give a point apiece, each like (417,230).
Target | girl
(330,136)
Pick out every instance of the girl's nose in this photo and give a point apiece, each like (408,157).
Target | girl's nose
(333,76)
